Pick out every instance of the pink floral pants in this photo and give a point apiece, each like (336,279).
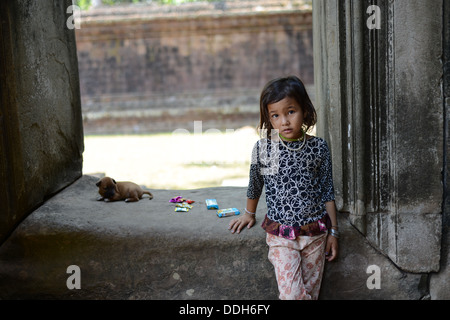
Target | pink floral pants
(298,265)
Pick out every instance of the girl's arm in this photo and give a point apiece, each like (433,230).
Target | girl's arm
(246,219)
(331,210)
(332,247)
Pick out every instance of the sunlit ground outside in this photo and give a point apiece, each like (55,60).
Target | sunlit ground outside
(177,161)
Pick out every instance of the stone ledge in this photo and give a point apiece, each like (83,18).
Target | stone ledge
(140,250)
(145,250)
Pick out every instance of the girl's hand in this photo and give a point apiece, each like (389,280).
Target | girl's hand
(245,220)
(332,248)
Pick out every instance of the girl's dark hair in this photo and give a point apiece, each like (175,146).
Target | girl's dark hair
(287,87)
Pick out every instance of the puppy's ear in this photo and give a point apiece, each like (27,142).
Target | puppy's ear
(98,183)
(114,181)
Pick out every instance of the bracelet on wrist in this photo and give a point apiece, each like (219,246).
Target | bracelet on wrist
(252,213)
(334,233)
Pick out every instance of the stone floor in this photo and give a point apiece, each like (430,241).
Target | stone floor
(146,250)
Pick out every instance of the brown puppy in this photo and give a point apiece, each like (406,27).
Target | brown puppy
(110,190)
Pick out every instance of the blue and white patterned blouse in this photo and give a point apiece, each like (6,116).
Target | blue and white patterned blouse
(297,183)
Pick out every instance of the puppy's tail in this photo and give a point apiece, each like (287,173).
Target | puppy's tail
(150,195)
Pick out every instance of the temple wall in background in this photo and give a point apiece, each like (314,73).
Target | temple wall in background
(145,70)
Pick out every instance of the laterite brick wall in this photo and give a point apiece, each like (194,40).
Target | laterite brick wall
(138,64)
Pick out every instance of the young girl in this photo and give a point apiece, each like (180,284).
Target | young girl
(295,169)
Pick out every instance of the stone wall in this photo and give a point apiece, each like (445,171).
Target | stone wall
(41,134)
(383,110)
(142,69)
(441,282)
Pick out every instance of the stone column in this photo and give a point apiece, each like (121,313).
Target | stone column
(41,134)
(378,74)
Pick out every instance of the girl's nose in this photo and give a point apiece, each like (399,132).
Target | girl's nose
(285,121)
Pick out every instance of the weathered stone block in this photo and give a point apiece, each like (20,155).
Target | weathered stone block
(384,123)
(145,250)
(41,139)
(140,250)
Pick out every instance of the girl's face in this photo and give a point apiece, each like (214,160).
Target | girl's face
(286,116)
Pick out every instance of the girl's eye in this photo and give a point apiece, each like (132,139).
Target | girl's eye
(291,111)
(274,116)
